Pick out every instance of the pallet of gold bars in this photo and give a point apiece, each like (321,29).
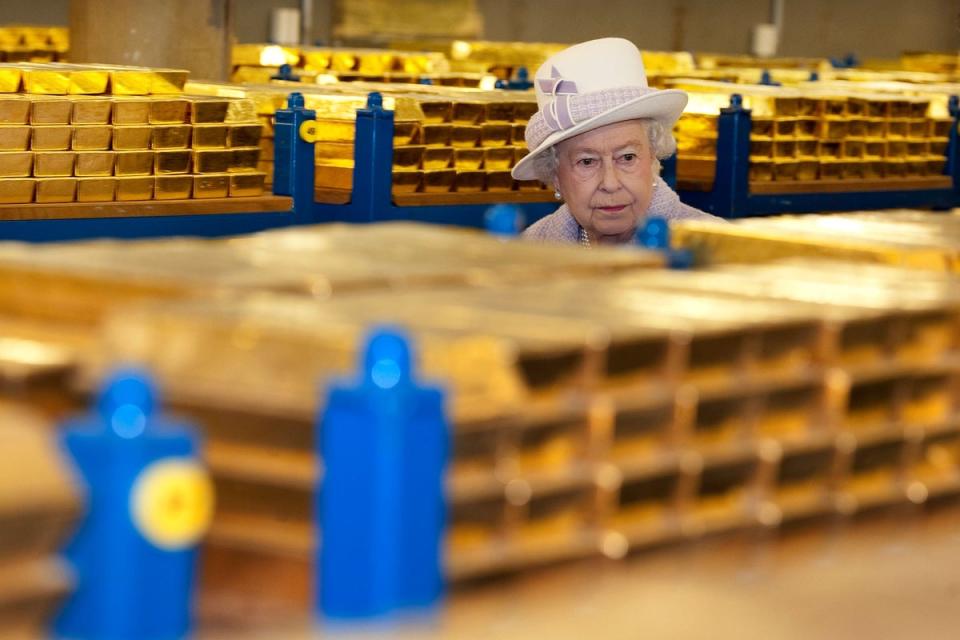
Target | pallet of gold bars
(33,43)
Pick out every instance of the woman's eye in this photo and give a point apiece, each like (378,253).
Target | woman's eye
(586,162)
(628,157)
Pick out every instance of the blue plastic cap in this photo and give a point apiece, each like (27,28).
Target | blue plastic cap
(285,70)
(765,77)
(503,220)
(736,100)
(814,76)
(126,402)
(953,105)
(499,84)
(387,359)
(654,234)
(375,100)
(522,74)
(425,80)
(295,100)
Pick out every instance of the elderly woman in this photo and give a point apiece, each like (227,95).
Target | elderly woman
(597,140)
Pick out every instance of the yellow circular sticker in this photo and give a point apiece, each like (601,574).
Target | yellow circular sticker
(309,131)
(172,503)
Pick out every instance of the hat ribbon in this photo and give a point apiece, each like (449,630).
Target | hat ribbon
(557,114)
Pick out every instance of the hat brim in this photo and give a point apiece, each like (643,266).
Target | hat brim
(664,106)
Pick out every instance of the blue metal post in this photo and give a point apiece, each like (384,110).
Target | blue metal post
(294,164)
(384,445)
(655,236)
(504,220)
(668,171)
(953,148)
(373,161)
(148,504)
(731,182)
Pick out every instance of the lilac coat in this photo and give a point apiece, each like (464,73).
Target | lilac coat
(561,226)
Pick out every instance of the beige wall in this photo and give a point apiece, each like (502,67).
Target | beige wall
(871,28)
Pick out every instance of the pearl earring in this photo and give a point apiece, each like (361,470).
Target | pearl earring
(556,194)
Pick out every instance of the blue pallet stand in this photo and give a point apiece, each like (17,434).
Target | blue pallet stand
(147,503)
(384,444)
(730,196)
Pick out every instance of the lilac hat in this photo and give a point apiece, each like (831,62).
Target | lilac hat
(590,85)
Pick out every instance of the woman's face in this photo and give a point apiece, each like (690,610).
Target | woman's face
(606,178)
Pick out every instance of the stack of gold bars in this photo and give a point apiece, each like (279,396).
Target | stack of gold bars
(616,407)
(817,135)
(28,43)
(96,133)
(449,145)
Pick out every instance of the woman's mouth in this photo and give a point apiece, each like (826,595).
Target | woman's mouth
(616,209)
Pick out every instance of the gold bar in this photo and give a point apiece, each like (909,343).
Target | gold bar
(406,181)
(873,170)
(88,81)
(14,110)
(50,111)
(16,164)
(16,190)
(46,81)
(518,134)
(132,137)
(436,111)
(135,188)
(244,159)
(214,185)
(897,128)
(435,135)
(212,161)
(53,164)
(499,181)
(133,163)
(498,111)
(175,161)
(166,81)
(407,157)
(807,148)
(760,171)
(244,135)
(441,180)
(876,128)
(211,136)
(208,110)
(91,137)
(437,157)
(498,158)
(466,159)
(14,137)
(467,112)
(94,163)
(830,168)
(168,111)
(10,78)
(853,148)
(470,181)
(807,169)
(465,136)
(56,190)
(176,136)
(851,170)
(833,128)
(90,111)
(404,133)
(785,169)
(173,187)
(495,135)
(130,82)
(130,111)
(247,185)
(51,138)
(96,189)
(523,111)
(340,153)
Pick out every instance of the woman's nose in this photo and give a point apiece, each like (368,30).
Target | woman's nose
(609,178)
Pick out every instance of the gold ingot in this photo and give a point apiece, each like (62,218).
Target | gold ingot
(853,148)
(168,111)
(16,164)
(857,128)
(90,111)
(828,149)
(50,111)
(498,111)
(14,137)
(56,190)
(51,138)
(130,82)
(785,169)
(133,163)
(245,159)
(53,164)
(896,148)
(173,187)
(333,177)
(939,128)
(495,135)
(14,110)
(523,111)
(784,127)
(465,136)
(175,136)
(130,111)
(46,81)
(242,111)
(470,181)
(465,159)
(214,185)
(406,181)
(208,110)
(435,135)
(760,171)
(96,189)
(439,181)
(806,148)
(403,133)
(807,169)
(167,81)
(244,135)
(833,129)
(16,190)
(176,161)
(247,185)
(499,181)
(498,158)
(212,161)
(210,136)
(898,128)
(518,134)
(407,157)
(339,153)
(91,138)
(132,137)
(437,157)
(873,170)
(139,188)
(519,153)
(94,163)
(436,111)
(467,112)
(10,78)
(88,81)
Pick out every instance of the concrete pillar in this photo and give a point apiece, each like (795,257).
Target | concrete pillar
(184,34)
